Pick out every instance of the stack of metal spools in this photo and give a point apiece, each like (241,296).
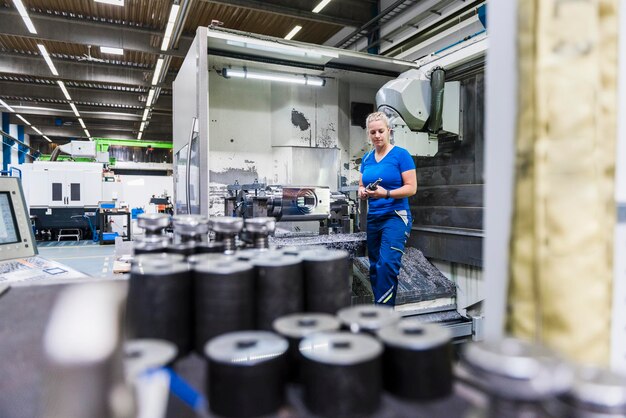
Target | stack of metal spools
(267,319)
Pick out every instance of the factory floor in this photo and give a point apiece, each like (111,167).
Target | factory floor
(85,256)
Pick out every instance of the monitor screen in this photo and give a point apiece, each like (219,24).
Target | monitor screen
(9,232)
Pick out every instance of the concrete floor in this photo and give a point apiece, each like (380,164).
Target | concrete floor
(85,256)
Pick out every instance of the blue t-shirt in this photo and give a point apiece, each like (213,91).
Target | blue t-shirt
(390,169)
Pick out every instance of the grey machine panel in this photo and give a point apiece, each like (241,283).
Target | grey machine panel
(16,233)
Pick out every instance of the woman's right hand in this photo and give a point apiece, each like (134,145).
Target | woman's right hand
(362,193)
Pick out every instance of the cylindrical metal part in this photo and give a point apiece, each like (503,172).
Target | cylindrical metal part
(260,229)
(596,393)
(151,244)
(224,298)
(246,373)
(341,374)
(159,301)
(157,258)
(143,355)
(210,247)
(517,375)
(326,280)
(279,288)
(417,363)
(249,254)
(190,228)
(294,328)
(226,230)
(154,240)
(153,223)
(367,318)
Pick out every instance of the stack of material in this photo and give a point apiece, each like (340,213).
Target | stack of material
(353,243)
(418,281)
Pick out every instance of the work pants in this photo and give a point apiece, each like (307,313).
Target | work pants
(386,239)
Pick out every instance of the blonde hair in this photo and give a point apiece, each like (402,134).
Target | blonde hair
(376,116)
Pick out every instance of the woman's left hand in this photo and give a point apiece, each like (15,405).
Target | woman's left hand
(379,193)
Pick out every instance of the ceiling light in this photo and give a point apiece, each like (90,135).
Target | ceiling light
(45,55)
(24,14)
(142,127)
(47,139)
(9,108)
(23,120)
(73,106)
(157,71)
(320,6)
(62,85)
(293,32)
(37,130)
(150,97)
(82,123)
(170,27)
(111,50)
(113,2)
(145,114)
(285,78)
(87,133)
(139,136)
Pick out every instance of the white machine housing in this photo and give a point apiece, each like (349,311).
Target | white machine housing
(406,100)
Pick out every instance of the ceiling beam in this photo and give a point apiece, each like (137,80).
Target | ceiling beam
(88,32)
(268,7)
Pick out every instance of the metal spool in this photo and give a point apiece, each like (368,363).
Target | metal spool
(518,376)
(596,393)
(294,328)
(224,298)
(159,300)
(151,244)
(185,249)
(326,280)
(143,355)
(367,318)
(226,230)
(259,230)
(279,288)
(246,373)
(190,228)
(341,373)
(417,363)
(154,223)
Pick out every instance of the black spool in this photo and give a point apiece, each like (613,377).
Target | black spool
(210,247)
(417,362)
(246,375)
(367,318)
(159,300)
(151,245)
(185,249)
(294,328)
(161,258)
(341,374)
(224,298)
(326,280)
(143,355)
(279,288)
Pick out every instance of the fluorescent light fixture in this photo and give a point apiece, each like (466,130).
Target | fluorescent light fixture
(111,50)
(47,139)
(23,120)
(64,90)
(37,130)
(142,127)
(87,133)
(145,114)
(113,2)
(320,6)
(82,123)
(150,97)
(73,106)
(170,27)
(46,56)
(293,32)
(157,71)
(284,78)
(9,108)
(139,136)
(24,14)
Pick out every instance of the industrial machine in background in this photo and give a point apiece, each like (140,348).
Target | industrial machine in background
(334,211)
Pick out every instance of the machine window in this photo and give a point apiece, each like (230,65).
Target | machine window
(57,192)
(9,232)
(75,192)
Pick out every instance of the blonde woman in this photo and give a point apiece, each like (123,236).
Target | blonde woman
(389,216)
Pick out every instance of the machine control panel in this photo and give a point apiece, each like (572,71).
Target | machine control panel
(16,233)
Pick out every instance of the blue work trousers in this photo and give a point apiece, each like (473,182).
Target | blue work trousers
(386,238)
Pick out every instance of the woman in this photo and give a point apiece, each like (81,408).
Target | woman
(389,217)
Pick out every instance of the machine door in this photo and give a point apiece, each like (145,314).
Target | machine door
(180,180)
